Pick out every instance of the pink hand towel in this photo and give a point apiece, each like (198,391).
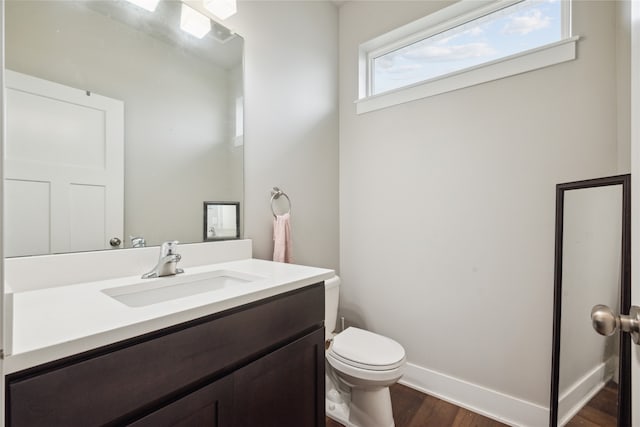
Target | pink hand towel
(282,238)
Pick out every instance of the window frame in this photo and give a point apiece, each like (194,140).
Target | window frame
(442,20)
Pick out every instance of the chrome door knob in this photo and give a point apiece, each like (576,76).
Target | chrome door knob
(115,242)
(605,322)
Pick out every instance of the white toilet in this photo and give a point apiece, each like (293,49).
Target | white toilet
(361,367)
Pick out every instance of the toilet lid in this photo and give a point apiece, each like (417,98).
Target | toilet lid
(365,349)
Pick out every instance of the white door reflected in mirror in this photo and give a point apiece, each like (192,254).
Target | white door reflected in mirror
(64,179)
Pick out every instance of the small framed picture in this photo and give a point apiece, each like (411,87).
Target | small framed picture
(221,221)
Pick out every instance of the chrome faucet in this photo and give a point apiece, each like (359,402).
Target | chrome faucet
(167,262)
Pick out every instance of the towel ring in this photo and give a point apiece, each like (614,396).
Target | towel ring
(275,195)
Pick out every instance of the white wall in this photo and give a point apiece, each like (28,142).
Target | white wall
(291,122)
(465,282)
(623,81)
(178,151)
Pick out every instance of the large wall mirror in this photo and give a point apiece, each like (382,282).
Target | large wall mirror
(120,124)
(591,373)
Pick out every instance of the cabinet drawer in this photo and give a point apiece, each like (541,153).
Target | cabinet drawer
(111,385)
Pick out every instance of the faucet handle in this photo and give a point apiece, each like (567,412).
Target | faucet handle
(168,248)
(137,241)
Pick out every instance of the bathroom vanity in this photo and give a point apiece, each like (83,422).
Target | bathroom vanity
(256,358)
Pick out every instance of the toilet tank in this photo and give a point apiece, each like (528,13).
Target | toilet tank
(331,297)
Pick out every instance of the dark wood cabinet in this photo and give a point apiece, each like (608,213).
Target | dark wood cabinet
(211,406)
(258,364)
(285,388)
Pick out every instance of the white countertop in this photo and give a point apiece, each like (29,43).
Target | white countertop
(52,323)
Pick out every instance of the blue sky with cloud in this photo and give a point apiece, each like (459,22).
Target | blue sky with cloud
(523,26)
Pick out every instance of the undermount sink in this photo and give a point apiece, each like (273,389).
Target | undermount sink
(163,289)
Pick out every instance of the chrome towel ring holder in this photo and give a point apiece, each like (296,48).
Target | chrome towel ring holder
(275,195)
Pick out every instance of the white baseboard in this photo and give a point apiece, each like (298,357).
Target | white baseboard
(581,392)
(490,403)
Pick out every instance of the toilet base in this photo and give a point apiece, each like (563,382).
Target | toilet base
(336,402)
(371,407)
(362,407)
(338,412)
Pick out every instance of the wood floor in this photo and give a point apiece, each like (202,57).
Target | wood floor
(601,411)
(414,409)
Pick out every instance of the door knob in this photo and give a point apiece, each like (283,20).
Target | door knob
(605,322)
(115,242)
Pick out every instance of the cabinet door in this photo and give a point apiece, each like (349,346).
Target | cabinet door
(284,388)
(209,406)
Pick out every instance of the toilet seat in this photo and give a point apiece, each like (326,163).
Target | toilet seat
(356,376)
(366,350)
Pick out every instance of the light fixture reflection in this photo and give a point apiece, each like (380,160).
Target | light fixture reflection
(149,5)
(221,8)
(193,22)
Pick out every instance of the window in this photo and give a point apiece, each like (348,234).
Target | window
(239,115)
(460,39)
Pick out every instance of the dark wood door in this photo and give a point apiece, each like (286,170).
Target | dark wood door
(209,406)
(284,388)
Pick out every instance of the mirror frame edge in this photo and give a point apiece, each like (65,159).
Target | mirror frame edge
(2,142)
(624,400)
